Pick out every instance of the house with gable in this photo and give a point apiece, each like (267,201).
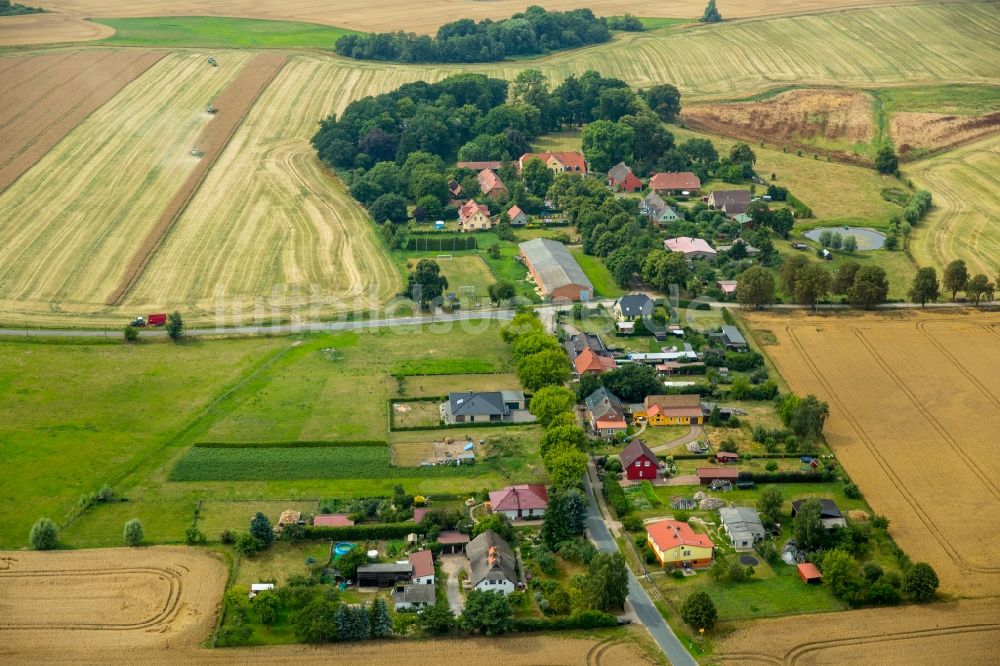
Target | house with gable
(621,179)
(486,407)
(691,248)
(730,202)
(474,217)
(560,162)
(490,184)
(675,544)
(492,563)
(607,418)
(518,218)
(526,501)
(674,183)
(639,462)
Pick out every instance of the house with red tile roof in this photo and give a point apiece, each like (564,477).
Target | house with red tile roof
(673,183)
(563,161)
(423,567)
(474,217)
(525,501)
(677,545)
(490,184)
(479,166)
(518,218)
(589,362)
(332,520)
(607,417)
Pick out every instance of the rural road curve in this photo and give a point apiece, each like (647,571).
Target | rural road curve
(641,603)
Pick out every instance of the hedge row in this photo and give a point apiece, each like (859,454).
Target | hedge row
(802,211)
(583,620)
(368,532)
(787,477)
(288,445)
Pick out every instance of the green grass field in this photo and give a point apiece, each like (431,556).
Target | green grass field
(598,273)
(103,525)
(957,99)
(221,33)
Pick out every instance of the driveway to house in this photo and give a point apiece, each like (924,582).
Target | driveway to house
(452,565)
(639,599)
(694,433)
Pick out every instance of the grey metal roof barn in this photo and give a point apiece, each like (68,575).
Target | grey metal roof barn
(553,265)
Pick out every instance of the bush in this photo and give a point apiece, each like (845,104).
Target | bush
(920,582)
(632,523)
(247,544)
(131,333)
(227,537)
(194,536)
(44,535)
(133,532)
(851,491)
(699,612)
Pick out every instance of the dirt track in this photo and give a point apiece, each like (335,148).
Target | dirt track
(44,97)
(232,106)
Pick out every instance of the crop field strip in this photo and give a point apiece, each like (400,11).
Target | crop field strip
(962,223)
(233,104)
(63,240)
(291,223)
(49,28)
(924,427)
(45,96)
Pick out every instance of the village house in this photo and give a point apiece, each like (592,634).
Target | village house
(639,462)
(691,248)
(632,307)
(829,513)
(657,210)
(486,407)
(413,597)
(474,217)
(423,567)
(743,526)
(479,166)
(727,287)
(675,544)
(490,184)
(454,188)
(521,502)
(564,161)
(730,202)
(555,271)
(589,362)
(517,217)
(667,410)
(674,183)
(577,343)
(607,418)
(493,563)
(621,179)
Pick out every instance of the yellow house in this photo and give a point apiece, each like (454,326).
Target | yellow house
(474,217)
(666,410)
(676,544)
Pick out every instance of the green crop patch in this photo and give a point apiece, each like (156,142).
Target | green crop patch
(255,463)
(221,32)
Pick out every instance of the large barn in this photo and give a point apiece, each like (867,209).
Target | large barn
(555,270)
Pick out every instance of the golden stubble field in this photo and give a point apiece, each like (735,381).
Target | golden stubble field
(914,411)
(158,605)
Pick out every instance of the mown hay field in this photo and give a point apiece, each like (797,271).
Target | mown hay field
(426,17)
(269,222)
(49,28)
(45,96)
(71,223)
(73,602)
(914,411)
(964,632)
(964,222)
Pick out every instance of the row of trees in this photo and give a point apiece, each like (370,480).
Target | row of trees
(531,32)
(956,278)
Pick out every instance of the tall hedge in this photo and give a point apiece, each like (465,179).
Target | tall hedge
(362,532)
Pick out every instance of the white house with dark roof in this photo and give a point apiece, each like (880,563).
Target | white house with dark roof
(492,563)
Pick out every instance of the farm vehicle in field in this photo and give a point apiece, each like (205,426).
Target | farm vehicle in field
(151,320)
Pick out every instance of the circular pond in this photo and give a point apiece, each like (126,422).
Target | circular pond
(868,239)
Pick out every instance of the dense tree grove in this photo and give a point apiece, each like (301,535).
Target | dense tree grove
(8,8)
(531,32)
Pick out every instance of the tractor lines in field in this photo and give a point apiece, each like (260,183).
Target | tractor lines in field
(234,102)
(988,483)
(886,467)
(922,327)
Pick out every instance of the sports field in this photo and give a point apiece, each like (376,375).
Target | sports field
(965,220)
(425,17)
(915,436)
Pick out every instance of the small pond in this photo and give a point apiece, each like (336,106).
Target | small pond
(868,239)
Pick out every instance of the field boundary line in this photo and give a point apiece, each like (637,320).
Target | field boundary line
(921,326)
(887,469)
(990,485)
(267,63)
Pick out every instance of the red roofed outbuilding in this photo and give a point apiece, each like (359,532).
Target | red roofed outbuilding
(708,474)
(673,183)
(809,573)
(423,567)
(520,502)
(589,362)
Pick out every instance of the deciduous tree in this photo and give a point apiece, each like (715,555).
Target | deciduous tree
(664,100)
(425,283)
(133,532)
(711,13)
(487,613)
(755,288)
(920,582)
(699,612)
(551,401)
(956,277)
(886,161)
(812,283)
(607,577)
(500,291)
(870,288)
(977,285)
(44,535)
(175,326)
(769,506)
(925,286)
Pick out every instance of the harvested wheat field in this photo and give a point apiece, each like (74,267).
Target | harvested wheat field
(912,131)
(229,109)
(70,603)
(270,222)
(837,121)
(44,97)
(49,28)
(426,17)
(965,220)
(914,411)
(71,223)
(932,634)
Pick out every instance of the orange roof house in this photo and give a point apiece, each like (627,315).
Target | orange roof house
(662,410)
(569,161)
(474,217)
(676,544)
(587,362)
(490,184)
(675,182)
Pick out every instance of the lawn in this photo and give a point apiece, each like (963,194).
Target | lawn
(468,277)
(441,385)
(220,32)
(102,526)
(658,435)
(422,414)
(279,561)
(598,273)
(955,99)
(77,415)
(215,517)
(507,452)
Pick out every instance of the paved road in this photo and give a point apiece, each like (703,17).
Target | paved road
(641,603)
